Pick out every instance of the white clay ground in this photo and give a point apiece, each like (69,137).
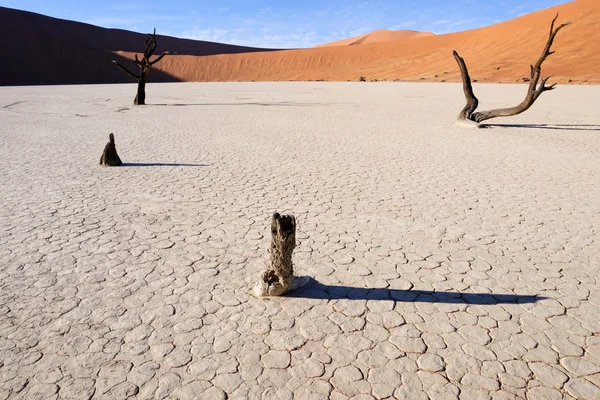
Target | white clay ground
(445,261)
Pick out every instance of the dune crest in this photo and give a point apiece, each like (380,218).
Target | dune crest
(378,36)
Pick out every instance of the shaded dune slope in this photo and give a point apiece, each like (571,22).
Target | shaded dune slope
(36,49)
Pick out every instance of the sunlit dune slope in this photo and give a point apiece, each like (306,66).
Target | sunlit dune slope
(498,53)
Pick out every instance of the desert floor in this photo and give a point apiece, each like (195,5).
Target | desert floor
(445,261)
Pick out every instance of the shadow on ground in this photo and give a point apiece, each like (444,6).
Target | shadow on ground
(281,104)
(317,290)
(162,165)
(561,127)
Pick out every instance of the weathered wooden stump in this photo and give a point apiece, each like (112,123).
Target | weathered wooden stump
(110,158)
(280,276)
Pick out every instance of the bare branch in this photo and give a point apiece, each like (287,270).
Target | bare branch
(150,45)
(550,41)
(131,74)
(150,51)
(137,61)
(166,53)
(472,101)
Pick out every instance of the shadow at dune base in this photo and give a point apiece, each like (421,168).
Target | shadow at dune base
(317,290)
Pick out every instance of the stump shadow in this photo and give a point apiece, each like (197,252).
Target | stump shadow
(561,127)
(317,290)
(163,165)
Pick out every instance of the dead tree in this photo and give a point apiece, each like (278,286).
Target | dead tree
(279,278)
(468,117)
(145,66)
(109,157)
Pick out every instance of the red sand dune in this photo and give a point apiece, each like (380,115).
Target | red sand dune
(498,53)
(378,36)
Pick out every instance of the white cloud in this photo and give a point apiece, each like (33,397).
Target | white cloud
(126,6)
(403,25)
(131,22)
(253,37)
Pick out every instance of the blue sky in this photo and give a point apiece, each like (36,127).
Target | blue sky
(283,23)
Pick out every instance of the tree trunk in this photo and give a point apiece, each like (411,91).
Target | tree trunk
(109,157)
(280,277)
(140,97)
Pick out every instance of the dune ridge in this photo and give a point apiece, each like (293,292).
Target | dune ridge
(378,36)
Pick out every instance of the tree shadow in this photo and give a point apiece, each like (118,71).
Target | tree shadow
(317,290)
(281,104)
(561,127)
(163,165)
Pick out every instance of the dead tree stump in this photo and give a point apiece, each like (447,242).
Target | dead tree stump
(471,119)
(109,157)
(280,276)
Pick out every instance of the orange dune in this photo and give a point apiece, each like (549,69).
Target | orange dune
(378,36)
(41,50)
(497,53)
